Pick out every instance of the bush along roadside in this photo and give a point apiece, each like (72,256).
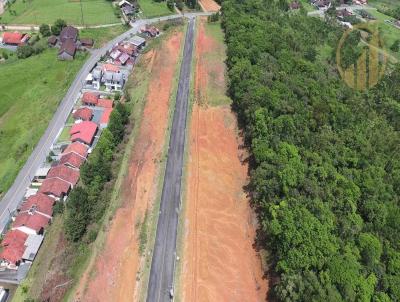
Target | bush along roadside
(87,202)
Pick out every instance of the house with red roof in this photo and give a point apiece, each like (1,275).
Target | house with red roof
(105,103)
(13,246)
(90,99)
(15,38)
(72,159)
(83,132)
(39,203)
(66,173)
(105,118)
(55,187)
(30,223)
(77,148)
(84,114)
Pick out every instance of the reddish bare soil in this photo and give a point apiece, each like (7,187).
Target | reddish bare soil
(209,5)
(117,266)
(219,261)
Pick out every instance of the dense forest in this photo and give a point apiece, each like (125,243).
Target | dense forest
(325,159)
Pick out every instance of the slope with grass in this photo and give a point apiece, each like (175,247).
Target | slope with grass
(30,91)
(47,11)
(102,35)
(151,8)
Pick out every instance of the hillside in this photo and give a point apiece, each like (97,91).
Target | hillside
(325,162)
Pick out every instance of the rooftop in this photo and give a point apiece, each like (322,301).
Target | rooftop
(35,222)
(83,114)
(39,202)
(55,186)
(78,148)
(72,159)
(65,173)
(90,98)
(83,132)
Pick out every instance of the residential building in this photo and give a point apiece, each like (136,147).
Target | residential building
(90,98)
(13,247)
(15,38)
(69,33)
(72,159)
(40,203)
(63,172)
(76,148)
(137,41)
(84,114)
(97,75)
(83,132)
(105,103)
(87,42)
(55,187)
(105,118)
(30,223)
(67,50)
(32,245)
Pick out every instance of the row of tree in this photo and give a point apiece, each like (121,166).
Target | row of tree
(86,203)
(325,159)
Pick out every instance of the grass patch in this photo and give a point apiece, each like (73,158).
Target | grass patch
(152,8)
(388,32)
(102,35)
(384,4)
(307,5)
(47,11)
(30,91)
(64,135)
(216,89)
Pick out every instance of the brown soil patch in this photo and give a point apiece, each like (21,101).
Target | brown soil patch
(219,263)
(209,5)
(117,266)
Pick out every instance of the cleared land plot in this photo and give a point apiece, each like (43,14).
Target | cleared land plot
(152,8)
(102,35)
(210,5)
(47,11)
(219,262)
(116,270)
(30,91)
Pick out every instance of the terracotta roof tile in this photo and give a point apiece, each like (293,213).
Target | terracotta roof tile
(63,172)
(39,202)
(55,186)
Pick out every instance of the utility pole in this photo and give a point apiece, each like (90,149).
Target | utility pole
(82,21)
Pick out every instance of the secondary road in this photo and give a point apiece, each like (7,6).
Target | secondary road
(15,194)
(164,255)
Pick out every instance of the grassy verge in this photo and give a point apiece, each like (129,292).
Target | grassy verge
(153,218)
(102,35)
(47,11)
(151,8)
(30,91)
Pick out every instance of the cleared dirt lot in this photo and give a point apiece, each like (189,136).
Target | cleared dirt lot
(219,262)
(210,5)
(114,273)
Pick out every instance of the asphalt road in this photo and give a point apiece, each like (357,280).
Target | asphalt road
(164,255)
(14,195)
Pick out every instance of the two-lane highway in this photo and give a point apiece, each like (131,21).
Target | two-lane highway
(164,255)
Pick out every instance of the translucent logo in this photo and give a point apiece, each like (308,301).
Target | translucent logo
(360,56)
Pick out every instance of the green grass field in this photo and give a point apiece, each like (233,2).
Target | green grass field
(152,8)
(389,32)
(47,11)
(30,91)
(102,35)
(384,4)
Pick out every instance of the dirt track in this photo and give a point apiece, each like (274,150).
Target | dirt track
(219,262)
(117,266)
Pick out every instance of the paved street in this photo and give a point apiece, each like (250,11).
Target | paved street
(163,262)
(15,194)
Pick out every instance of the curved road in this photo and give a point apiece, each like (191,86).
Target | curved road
(15,194)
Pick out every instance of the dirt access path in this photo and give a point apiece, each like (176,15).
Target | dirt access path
(209,5)
(116,268)
(219,262)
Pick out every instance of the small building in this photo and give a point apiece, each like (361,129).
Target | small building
(15,38)
(84,114)
(55,187)
(113,81)
(83,132)
(41,173)
(67,50)
(72,159)
(90,99)
(87,42)
(13,247)
(69,33)
(52,41)
(150,31)
(63,172)
(137,41)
